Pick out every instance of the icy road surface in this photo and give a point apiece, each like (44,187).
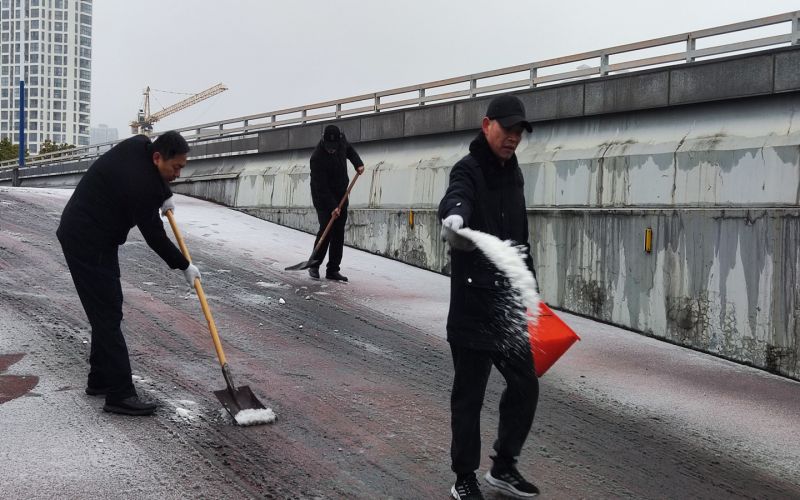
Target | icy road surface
(358,375)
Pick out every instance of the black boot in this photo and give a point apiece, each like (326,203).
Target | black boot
(129,406)
(313,272)
(335,275)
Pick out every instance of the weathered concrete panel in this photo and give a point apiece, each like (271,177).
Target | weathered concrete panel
(719,281)
(556,102)
(787,71)
(468,114)
(351,127)
(382,126)
(739,77)
(273,140)
(220,147)
(197,150)
(245,144)
(627,93)
(306,136)
(428,120)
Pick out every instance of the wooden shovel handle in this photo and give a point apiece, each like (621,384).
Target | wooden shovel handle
(199,289)
(330,222)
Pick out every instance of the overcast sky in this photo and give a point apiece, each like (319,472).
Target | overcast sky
(279,54)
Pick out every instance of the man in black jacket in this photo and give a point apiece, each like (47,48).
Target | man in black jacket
(123,188)
(329,182)
(486,194)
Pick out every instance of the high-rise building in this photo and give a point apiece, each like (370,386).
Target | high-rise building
(48,44)
(102,133)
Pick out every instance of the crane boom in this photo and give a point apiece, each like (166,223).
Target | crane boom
(144,121)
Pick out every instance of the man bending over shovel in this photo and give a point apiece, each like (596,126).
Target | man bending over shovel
(123,188)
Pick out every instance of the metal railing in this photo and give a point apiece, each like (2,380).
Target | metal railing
(522,76)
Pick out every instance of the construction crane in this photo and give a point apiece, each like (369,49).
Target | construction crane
(144,120)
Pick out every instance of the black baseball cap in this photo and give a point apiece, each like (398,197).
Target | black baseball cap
(331,137)
(508,110)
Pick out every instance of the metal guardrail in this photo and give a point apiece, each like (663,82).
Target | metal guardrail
(531,76)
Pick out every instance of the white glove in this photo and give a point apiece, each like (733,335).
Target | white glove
(450,226)
(167,205)
(191,273)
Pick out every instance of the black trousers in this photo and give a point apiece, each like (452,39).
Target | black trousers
(334,241)
(96,278)
(517,405)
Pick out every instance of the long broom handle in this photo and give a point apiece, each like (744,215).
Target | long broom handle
(330,222)
(199,288)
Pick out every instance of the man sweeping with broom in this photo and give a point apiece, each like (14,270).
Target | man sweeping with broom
(123,188)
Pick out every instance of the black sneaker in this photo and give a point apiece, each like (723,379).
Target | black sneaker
(313,272)
(509,480)
(336,276)
(95,391)
(466,488)
(130,406)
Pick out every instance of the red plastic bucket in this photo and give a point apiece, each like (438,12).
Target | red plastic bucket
(550,338)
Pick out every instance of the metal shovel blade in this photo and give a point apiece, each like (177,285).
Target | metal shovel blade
(236,400)
(303,265)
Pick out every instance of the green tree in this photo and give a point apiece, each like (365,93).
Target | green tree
(49,147)
(8,151)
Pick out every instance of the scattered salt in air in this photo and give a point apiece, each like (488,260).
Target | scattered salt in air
(510,260)
(255,417)
(281,301)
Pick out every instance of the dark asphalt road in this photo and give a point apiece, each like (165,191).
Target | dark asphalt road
(361,397)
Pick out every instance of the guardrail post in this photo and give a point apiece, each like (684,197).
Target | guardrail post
(421,97)
(339,110)
(246,124)
(376,106)
(796,28)
(533,77)
(272,120)
(691,44)
(603,64)
(473,84)
(303,114)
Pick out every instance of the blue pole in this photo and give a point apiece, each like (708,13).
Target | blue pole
(22,123)
(15,179)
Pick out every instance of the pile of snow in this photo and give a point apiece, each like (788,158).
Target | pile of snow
(255,417)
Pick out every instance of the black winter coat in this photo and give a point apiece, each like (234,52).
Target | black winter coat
(329,177)
(121,189)
(490,197)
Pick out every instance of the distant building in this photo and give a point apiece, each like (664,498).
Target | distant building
(102,133)
(48,44)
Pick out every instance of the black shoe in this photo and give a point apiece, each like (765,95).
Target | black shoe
(509,480)
(336,275)
(130,406)
(466,488)
(313,272)
(96,391)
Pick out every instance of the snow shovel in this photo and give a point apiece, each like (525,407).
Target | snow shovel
(311,262)
(234,399)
